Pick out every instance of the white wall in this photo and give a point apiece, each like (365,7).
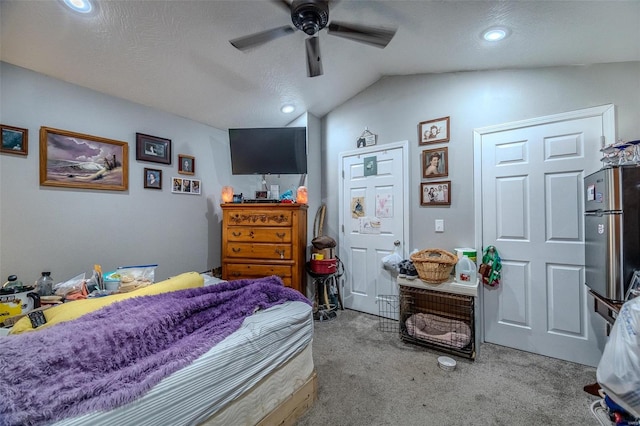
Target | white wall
(393,107)
(67,231)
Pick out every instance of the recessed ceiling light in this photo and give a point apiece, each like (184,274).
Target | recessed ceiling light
(80,6)
(495,34)
(287,108)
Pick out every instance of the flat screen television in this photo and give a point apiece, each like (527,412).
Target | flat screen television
(269,150)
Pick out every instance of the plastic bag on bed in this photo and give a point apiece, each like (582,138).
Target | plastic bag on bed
(619,367)
(134,277)
(74,285)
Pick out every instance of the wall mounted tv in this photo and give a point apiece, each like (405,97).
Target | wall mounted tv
(269,150)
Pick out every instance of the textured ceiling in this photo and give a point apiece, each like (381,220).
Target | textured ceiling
(175,55)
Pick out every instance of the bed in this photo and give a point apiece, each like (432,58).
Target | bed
(260,372)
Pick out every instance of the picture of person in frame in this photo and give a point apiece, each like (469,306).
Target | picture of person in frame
(152,178)
(432,132)
(434,163)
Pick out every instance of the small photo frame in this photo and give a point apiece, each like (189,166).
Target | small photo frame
(15,140)
(435,163)
(152,178)
(433,131)
(435,193)
(185,186)
(153,149)
(261,195)
(186,164)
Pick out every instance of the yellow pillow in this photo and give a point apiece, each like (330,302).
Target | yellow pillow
(72,310)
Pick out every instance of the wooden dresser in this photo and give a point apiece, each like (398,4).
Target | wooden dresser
(259,240)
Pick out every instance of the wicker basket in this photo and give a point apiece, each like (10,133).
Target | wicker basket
(434,265)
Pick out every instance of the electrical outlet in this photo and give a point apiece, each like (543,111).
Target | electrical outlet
(439,225)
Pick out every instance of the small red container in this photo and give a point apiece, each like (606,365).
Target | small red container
(325,266)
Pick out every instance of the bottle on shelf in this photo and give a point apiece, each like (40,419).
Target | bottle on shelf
(44,285)
(466,270)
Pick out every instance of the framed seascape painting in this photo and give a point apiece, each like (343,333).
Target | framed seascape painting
(75,160)
(153,149)
(14,140)
(435,193)
(435,163)
(433,131)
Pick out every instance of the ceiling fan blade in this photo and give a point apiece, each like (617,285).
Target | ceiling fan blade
(314,62)
(252,40)
(378,37)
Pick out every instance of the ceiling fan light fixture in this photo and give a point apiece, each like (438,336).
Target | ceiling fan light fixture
(495,34)
(287,108)
(79,6)
(310,16)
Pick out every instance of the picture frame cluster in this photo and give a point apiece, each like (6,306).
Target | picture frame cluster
(154,149)
(435,162)
(81,161)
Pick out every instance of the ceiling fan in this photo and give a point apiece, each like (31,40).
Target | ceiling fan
(311,16)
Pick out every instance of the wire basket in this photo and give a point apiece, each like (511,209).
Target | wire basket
(434,265)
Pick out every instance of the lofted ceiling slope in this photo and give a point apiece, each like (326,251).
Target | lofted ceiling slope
(175,56)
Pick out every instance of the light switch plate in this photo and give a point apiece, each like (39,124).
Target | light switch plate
(439,225)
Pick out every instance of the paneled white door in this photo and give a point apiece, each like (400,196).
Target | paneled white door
(532,212)
(373,215)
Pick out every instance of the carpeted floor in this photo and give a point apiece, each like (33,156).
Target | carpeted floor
(370,377)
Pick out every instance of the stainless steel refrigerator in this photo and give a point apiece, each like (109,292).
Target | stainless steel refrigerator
(612,230)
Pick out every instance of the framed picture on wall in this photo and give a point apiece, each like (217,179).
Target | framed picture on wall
(14,140)
(76,160)
(433,131)
(186,164)
(435,163)
(152,178)
(185,186)
(153,149)
(435,193)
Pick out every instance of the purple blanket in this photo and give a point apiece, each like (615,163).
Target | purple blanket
(114,355)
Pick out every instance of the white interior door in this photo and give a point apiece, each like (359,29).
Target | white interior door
(373,215)
(532,212)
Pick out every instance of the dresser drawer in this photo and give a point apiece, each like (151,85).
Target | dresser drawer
(259,234)
(236,271)
(258,218)
(259,251)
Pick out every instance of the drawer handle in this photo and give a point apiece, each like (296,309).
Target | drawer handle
(236,234)
(236,250)
(280,235)
(251,234)
(281,253)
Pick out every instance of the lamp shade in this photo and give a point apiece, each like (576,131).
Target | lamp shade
(227,194)
(302,196)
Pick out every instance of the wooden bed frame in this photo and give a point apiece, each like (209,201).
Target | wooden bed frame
(289,411)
